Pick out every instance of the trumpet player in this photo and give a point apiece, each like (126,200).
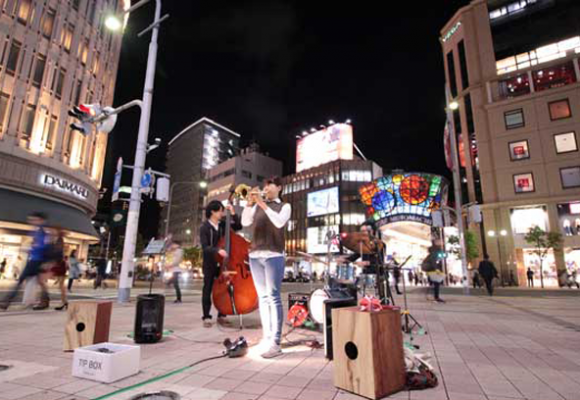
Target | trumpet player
(268,216)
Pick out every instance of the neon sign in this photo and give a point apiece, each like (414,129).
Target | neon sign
(450,32)
(408,196)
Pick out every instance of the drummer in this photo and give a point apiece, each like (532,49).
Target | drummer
(368,262)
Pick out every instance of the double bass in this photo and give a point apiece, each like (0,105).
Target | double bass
(233,291)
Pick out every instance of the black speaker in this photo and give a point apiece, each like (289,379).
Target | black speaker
(149,318)
(339,297)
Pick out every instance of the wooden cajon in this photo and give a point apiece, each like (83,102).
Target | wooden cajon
(88,322)
(368,352)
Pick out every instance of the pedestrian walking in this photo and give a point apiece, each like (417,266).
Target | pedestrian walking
(571,280)
(173,260)
(476,279)
(33,268)
(101,265)
(74,271)
(530,275)
(396,272)
(3,268)
(432,267)
(59,267)
(488,272)
(410,277)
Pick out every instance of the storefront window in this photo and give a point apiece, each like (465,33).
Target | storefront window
(553,77)
(514,87)
(525,218)
(548,268)
(569,218)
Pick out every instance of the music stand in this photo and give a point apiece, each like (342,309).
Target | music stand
(407,316)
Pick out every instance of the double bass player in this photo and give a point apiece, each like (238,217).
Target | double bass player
(210,233)
(268,216)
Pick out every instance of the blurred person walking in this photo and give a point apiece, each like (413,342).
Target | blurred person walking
(172,264)
(36,257)
(74,271)
(59,267)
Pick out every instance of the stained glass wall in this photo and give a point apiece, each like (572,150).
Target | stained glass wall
(407,196)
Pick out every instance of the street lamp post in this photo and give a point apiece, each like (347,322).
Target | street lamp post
(202,185)
(451,106)
(128,263)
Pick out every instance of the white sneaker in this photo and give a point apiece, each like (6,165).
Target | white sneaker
(273,351)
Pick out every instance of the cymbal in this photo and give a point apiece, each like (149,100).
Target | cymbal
(361,241)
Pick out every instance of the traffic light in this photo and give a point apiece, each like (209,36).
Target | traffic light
(84,113)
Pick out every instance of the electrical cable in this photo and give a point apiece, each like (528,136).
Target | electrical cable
(158,378)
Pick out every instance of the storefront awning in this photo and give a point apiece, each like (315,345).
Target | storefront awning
(15,207)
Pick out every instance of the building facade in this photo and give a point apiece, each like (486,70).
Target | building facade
(513,68)
(325,198)
(54,54)
(192,154)
(250,167)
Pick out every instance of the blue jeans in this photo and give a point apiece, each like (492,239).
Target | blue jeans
(268,274)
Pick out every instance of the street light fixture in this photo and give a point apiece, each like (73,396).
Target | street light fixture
(503,232)
(113,23)
(491,233)
(454,105)
(203,184)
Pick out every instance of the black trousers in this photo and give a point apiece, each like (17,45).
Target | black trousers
(209,276)
(436,288)
(175,281)
(489,285)
(31,269)
(530,282)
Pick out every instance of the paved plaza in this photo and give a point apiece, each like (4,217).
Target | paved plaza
(483,348)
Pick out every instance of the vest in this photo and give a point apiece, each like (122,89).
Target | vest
(266,236)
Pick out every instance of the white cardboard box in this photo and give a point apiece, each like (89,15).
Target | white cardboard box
(123,361)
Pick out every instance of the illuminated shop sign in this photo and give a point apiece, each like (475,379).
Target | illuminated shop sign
(62,185)
(404,197)
(322,202)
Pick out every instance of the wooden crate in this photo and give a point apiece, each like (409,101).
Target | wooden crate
(88,322)
(368,352)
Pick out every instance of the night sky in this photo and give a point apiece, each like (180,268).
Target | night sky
(271,69)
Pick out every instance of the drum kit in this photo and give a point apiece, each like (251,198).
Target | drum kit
(351,278)
(355,278)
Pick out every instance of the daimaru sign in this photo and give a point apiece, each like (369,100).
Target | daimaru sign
(62,185)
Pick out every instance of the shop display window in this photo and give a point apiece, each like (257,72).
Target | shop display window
(522,219)
(570,177)
(519,150)
(559,109)
(565,142)
(524,183)
(553,77)
(514,119)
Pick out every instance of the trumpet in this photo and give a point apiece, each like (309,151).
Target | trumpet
(245,192)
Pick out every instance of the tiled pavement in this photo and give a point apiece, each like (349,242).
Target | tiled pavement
(498,349)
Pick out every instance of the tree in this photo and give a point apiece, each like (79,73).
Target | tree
(471,245)
(543,242)
(194,255)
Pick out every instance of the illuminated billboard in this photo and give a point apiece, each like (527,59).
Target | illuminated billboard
(321,147)
(322,202)
(317,242)
(404,197)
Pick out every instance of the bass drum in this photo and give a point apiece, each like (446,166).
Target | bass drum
(316,305)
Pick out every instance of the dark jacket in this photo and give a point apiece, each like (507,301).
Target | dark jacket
(209,238)
(487,270)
